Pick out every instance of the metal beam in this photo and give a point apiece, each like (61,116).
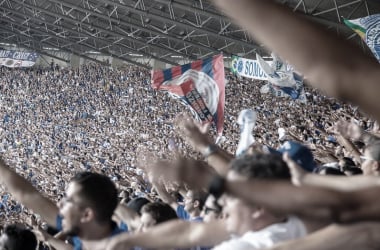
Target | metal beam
(63,49)
(100,39)
(181,24)
(336,8)
(138,26)
(190,8)
(103,40)
(91,48)
(41,52)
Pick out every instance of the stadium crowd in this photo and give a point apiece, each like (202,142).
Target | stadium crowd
(107,148)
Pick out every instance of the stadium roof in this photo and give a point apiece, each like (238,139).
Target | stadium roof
(163,30)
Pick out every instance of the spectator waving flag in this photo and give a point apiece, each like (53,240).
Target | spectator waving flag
(200,85)
(283,80)
(368,28)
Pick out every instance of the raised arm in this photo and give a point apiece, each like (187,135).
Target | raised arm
(284,198)
(309,202)
(164,194)
(173,234)
(24,192)
(281,197)
(340,183)
(196,135)
(57,244)
(355,132)
(336,237)
(349,146)
(330,63)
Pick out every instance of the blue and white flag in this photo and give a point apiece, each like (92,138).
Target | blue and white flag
(247,68)
(252,68)
(368,28)
(17,59)
(283,80)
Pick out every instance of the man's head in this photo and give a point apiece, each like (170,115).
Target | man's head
(16,237)
(90,199)
(241,216)
(194,201)
(156,213)
(345,163)
(136,204)
(371,159)
(326,170)
(211,210)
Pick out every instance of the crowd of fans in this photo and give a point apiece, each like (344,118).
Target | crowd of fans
(95,118)
(108,128)
(58,122)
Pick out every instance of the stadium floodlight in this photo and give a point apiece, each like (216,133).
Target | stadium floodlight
(49,48)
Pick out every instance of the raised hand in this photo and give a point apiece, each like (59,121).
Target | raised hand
(298,174)
(193,132)
(195,174)
(349,130)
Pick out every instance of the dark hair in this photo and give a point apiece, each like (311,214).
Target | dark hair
(353,170)
(131,193)
(124,197)
(99,192)
(347,162)
(200,196)
(328,170)
(261,166)
(19,238)
(359,144)
(160,211)
(137,203)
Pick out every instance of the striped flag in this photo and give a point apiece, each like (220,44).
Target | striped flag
(200,85)
(368,28)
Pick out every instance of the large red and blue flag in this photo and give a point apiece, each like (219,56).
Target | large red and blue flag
(200,85)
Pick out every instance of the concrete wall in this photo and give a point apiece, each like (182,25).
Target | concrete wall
(44,61)
(76,61)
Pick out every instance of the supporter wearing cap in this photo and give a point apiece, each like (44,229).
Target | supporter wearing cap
(368,178)
(298,152)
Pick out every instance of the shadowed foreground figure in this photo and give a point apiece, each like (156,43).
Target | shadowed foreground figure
(15,237)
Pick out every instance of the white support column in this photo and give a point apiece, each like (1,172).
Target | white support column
(158,64)
(75,61)
(116,63)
